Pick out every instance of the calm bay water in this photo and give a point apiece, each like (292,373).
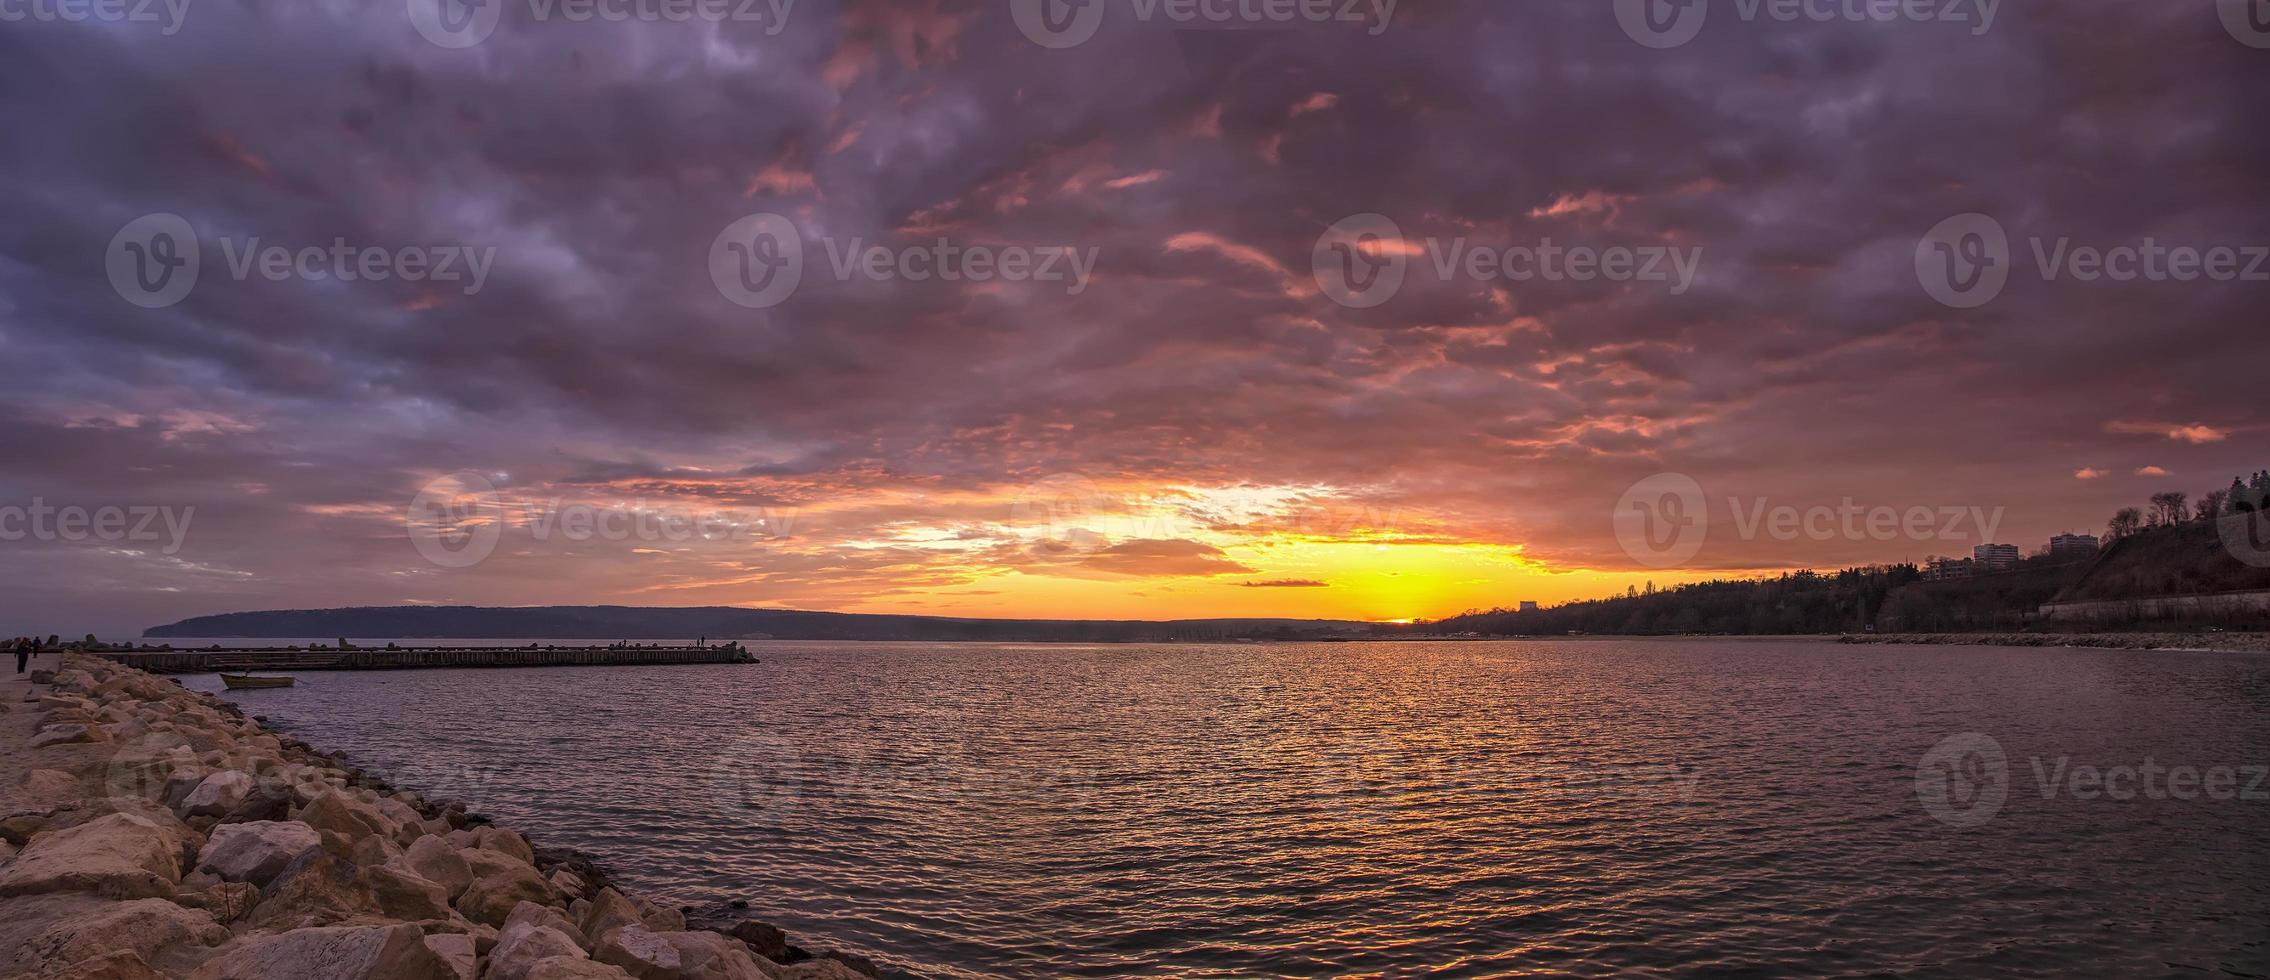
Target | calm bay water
(1590,807)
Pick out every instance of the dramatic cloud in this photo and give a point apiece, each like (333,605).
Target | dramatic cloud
(1069,335)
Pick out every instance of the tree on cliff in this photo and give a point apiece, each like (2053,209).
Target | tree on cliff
(2127,521)
(2212,504)
(2167,508)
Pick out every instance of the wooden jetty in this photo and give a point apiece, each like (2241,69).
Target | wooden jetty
(210,660)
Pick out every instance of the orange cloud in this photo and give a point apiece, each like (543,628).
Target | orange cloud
(2194,433)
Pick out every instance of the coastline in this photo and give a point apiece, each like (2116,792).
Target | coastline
(152,831)
(2168,642)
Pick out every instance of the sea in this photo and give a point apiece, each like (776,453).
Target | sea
(1578,807)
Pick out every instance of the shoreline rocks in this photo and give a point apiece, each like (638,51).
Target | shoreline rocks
(180,839)
(2206,642)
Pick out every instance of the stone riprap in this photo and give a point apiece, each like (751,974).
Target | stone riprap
(158,832)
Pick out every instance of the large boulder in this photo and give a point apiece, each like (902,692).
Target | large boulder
(340,813)
(658,918)
(333,953)
(530,913)
(268,800)
(458,951)
(48,785)
(71,733)
(520,948)
(641,954)
(228,901)
(504,841)
(403,895)
(123,964)
(408,824)
(680,956)
(256,852)
(763,938)
(821,969)
(40,935)
(315,890)
(434,860)
(121,855)
(608,911)
(573,968)
(501,882)
(217,795)
(710,956)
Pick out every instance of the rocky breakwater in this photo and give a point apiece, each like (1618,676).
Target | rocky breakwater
(158,832)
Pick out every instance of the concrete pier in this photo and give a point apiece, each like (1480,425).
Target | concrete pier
(422,658)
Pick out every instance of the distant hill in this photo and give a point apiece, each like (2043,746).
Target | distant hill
(2191,558)
(2185,559)
(719,622)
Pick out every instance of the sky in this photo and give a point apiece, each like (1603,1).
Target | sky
(990,309)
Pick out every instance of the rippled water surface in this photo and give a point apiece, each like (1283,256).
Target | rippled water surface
(1447,809)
